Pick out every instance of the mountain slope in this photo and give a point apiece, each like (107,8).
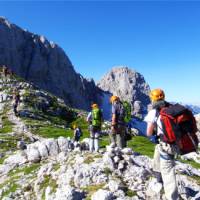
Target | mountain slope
(45,64)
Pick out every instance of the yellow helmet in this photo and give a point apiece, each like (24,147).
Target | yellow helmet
(94,105)
(156,95)
(113,98)
(74,126)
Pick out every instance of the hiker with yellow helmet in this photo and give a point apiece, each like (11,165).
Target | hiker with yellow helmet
(95,118)
(118,125)
(163,162)
(77,133)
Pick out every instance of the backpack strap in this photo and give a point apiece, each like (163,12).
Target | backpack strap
(158,106)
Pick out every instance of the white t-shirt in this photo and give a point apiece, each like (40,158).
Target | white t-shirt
(152,117)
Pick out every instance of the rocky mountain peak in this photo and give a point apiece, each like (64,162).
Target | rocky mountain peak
(128,84)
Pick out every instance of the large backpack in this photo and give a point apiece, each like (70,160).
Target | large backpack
(120,112)
(96,117)
(127,108)
(179,127)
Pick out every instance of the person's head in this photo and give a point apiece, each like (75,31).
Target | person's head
(157,95)
(74,126)
(114,99)
(94,105)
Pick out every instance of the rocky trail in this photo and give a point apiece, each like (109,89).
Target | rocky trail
(58,169)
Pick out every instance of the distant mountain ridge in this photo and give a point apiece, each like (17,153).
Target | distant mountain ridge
(193,107)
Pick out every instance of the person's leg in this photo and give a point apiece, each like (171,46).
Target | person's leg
(112,136)
(15,109)
(121,137)
(123,132)
(92,134)
(156,164)
(156,159)
(96,141)
(167,167)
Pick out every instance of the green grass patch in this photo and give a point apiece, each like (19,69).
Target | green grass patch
(190,162)
(89,159)
(142,145)
(56,166)
(7,125)
(32,168)
(12,188)
(107,171)
(104,141)
(8,144)
(196,178)
(25,170)
(130,193)
(50,131)
(192,178)
(48,181)
(2,159)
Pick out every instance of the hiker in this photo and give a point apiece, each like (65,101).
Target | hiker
(5,73)
(163,161)
(77,133)
(1,97)
(118,125)
(16,100)
(95,119)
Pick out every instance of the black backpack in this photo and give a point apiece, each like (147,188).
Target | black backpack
(121,113)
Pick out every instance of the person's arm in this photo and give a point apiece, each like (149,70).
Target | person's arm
(114,116)
(150,129)
(151,122)
(113,119)
(89,117)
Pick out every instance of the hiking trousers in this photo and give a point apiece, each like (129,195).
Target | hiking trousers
(117,136)
(94,138)
(165,164)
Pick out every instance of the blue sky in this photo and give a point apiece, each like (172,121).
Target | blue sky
(160,40)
